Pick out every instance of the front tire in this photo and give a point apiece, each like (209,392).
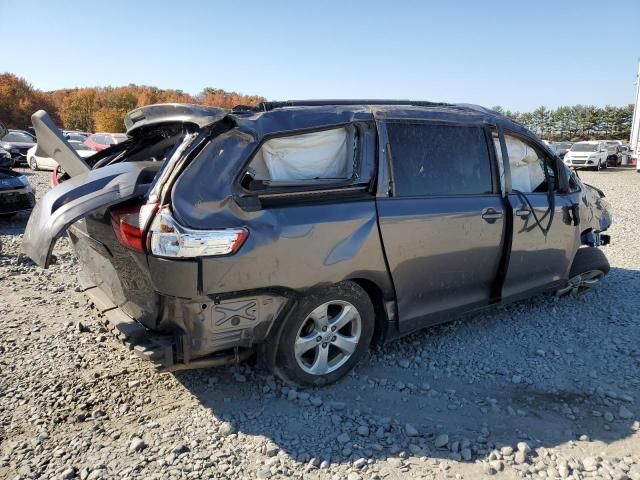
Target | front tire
(33,164)
(325,335)
(589,267)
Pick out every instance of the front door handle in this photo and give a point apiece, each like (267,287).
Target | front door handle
(523,213)
(490,215)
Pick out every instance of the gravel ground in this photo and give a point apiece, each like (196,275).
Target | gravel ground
(546,388)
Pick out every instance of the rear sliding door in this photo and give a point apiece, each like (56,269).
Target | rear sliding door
(442,223)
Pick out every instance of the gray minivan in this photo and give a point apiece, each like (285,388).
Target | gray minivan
(304,231)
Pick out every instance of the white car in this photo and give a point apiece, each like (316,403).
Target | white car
(587,155)
(46,163)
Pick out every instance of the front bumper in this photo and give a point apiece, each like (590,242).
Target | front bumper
(18,156)
(580,163)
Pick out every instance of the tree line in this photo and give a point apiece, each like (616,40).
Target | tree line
(97,109)
(577,122)
(103,109)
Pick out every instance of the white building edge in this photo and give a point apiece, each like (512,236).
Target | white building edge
(634,141)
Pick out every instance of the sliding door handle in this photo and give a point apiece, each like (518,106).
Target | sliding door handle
(490,215)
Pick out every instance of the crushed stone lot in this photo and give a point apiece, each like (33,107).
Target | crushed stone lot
(546,388)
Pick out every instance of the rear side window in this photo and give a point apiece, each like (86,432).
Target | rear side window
(439,160)
(296,159)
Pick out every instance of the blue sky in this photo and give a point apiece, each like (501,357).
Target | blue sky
(519,54)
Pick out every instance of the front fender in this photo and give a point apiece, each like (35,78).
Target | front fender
(594,210)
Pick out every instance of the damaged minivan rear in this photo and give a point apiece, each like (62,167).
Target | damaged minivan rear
(305,231)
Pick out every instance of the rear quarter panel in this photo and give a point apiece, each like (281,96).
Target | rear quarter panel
(301,247)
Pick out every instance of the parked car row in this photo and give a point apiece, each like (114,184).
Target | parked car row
(16,193)
(597,154)
(17,147)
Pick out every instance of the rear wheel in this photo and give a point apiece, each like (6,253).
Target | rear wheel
(589,267)
(325,335)
(33,163)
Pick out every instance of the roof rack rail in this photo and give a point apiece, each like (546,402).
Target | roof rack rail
(266,106)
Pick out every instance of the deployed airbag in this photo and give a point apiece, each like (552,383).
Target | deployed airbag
(308,156)
(526,167)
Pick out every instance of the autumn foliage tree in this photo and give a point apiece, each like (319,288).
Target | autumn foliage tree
(78,108)
(18,100)
(98,108)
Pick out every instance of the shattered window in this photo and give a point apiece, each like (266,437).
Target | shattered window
(439,160)
(528,167)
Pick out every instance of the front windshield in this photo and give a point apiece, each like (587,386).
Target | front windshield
(584,147)
(18,137)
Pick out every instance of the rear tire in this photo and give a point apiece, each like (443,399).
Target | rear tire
(33,164)
(589,267)
(324,336)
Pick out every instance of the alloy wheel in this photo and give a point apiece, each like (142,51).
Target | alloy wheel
(328,337)
(582,282)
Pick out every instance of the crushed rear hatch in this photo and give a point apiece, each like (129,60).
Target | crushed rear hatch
(94,196)
(76,198)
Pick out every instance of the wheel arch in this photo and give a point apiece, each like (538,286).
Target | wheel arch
(376,295)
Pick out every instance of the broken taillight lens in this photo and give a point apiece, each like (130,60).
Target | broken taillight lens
(130,222)
(169,239)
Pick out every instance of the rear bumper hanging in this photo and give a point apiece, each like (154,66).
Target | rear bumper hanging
(161,350)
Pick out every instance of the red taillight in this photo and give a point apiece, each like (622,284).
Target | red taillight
(54,176)
(130,223)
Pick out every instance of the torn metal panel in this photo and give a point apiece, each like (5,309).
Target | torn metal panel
(53,144)
(76,198)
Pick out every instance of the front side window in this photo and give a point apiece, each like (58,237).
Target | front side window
(429,159)
(531,170)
